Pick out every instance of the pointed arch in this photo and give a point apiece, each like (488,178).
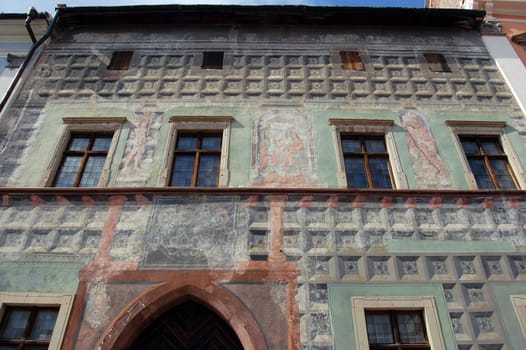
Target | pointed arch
(146,308)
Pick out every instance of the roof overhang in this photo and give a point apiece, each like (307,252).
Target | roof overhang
(275,15)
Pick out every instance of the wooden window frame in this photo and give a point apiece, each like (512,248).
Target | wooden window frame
(120,60)
(368,127)
(22,342)
(213,60)
(397,345)
(486,128)
(63,302)
(425,304)
(178,124)
(198,152)
(366,155)
(85,125)
(351,60)
(478,139)
(86,154)
(436,62)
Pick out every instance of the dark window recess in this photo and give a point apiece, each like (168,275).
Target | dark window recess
(351,60)
(436,62)
(396,329)
(212,60)
(366,161)
(488,162)
(83,160)
(14,61)
(120,60)
(27,328)
(196,160)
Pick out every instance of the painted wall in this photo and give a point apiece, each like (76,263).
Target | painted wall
(281,98)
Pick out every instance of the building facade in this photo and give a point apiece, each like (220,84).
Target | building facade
(263,178)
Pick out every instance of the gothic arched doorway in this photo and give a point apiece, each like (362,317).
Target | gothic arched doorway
(189,325)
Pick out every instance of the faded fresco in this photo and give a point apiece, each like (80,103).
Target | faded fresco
(180,233)
(282,149)
(428,167)
(135,167)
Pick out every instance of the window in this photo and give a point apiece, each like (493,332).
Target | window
(488,162)
(197,154)
(25,327)
(196,160)
(436,62)
(366,161)
(396,329)
(351,60)
(368,156)
(398,322)
(120,60)
(212,60)
(83,160)
(488,155)
(33,320)
(84,153)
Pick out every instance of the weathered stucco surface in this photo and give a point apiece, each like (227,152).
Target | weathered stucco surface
(261,257)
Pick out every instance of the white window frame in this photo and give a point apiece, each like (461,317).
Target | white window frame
(368,127)
(87,125)
(63,301)
(486,128)
(197,124)
(425,303)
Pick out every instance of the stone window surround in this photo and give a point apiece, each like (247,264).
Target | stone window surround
(425,303)
(486,128)
(88,125)
(519,304)
(194,123)
(368,126)
(63,301)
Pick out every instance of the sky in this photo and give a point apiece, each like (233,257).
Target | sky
(21,6)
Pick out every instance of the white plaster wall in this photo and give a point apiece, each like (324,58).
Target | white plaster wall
(510,66)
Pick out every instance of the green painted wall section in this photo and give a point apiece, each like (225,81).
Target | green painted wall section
(468,247)
(507,311)
(48,279)
(53,129)
(340,308)
(326,150)
(445,138)
(241,138)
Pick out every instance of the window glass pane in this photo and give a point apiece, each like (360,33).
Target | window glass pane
(78,143)
(355,168)
(478,168)
(375,146)
(92,171)
(351,145)
(410,327)
(68,172)
(182,171)
(212,143)
(491,147)
(500,168)
(470,147)
(44,324)
(102,143)
(379,328)
(380,172)
(185,143)
(208,168)
(15,324)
